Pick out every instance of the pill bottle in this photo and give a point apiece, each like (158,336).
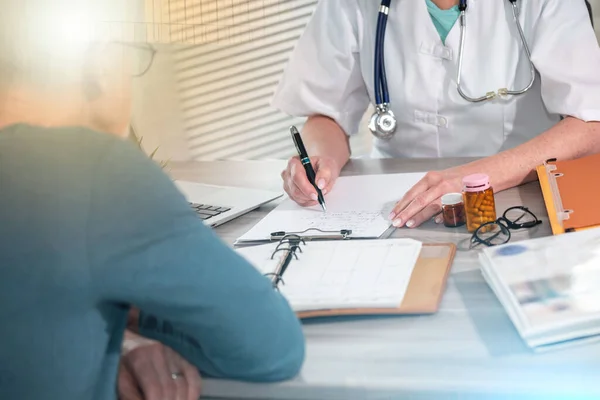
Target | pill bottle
(453,210)
(478,197)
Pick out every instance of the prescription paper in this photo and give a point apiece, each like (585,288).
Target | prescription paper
(359,203)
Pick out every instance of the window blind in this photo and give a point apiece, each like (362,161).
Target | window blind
(229,56)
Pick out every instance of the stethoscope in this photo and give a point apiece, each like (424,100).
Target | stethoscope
(383,122)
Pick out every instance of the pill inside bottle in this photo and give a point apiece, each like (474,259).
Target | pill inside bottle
(453,210)
(478,196)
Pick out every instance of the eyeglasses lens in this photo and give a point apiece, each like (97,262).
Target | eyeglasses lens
(142,58)
(521,217)
(493,234)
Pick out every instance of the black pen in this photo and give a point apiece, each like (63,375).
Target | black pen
(310,172)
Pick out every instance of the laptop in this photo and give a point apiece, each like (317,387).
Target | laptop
(216,205)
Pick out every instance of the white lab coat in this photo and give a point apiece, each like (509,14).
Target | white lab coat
(330,72)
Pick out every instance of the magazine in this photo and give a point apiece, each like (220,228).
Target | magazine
(550,287)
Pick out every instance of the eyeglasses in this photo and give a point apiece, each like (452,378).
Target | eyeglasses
(498,232)
(141,57)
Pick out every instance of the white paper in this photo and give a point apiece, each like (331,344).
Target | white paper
(359,203)
(343,274)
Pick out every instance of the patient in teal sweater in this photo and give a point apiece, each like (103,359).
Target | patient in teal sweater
(90,227)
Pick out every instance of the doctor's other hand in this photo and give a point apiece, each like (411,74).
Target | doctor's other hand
(297,185)
(423,200)
(150,370)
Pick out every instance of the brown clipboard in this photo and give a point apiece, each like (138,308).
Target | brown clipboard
(425,289)
(571,191)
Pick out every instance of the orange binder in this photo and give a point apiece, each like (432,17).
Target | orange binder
(571,193)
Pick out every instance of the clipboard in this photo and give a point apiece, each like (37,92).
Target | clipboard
(422,290)
(425,289)
(571,193)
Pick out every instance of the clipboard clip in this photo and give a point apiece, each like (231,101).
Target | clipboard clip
(551,168)
(342,234)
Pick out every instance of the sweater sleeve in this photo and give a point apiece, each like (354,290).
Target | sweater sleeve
(147,248)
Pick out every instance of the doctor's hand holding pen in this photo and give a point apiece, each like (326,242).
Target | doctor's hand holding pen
(297,185)
(304,176)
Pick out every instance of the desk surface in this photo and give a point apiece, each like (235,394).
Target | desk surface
(469,349)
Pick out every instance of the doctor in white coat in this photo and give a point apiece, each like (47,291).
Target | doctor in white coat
(329,78)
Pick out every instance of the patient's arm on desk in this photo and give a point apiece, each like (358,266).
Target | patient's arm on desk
(196,295)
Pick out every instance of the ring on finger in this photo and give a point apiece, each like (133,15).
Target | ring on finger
(176,375)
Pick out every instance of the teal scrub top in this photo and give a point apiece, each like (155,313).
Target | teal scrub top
(443,20)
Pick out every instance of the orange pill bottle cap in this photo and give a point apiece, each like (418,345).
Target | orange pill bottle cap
(476,182)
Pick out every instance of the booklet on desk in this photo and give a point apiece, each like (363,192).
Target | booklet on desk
(549,287)
(357,208)
(361,277)
(571,190)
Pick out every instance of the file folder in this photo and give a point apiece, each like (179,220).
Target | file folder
(571,191)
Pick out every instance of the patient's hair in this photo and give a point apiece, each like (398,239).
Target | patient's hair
(46,42)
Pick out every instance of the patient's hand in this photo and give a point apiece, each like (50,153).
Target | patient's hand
(150,370)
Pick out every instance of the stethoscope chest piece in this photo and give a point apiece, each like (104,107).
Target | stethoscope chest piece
(383,123)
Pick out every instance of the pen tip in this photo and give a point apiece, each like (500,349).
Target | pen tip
(324,208)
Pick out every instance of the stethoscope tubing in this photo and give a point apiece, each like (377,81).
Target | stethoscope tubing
(381,87)
(501,92)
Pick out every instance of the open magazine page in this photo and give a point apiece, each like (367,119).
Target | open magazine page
(551,282)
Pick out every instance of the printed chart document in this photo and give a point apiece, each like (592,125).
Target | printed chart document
(341,274)
(361,204)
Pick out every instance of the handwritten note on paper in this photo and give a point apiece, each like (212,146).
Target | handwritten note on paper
(359,203)
(361,223)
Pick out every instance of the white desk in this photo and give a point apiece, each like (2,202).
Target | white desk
(468,350)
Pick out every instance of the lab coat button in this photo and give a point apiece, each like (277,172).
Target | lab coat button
(436,50)
(443,52)
(442,121)
(420,116)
